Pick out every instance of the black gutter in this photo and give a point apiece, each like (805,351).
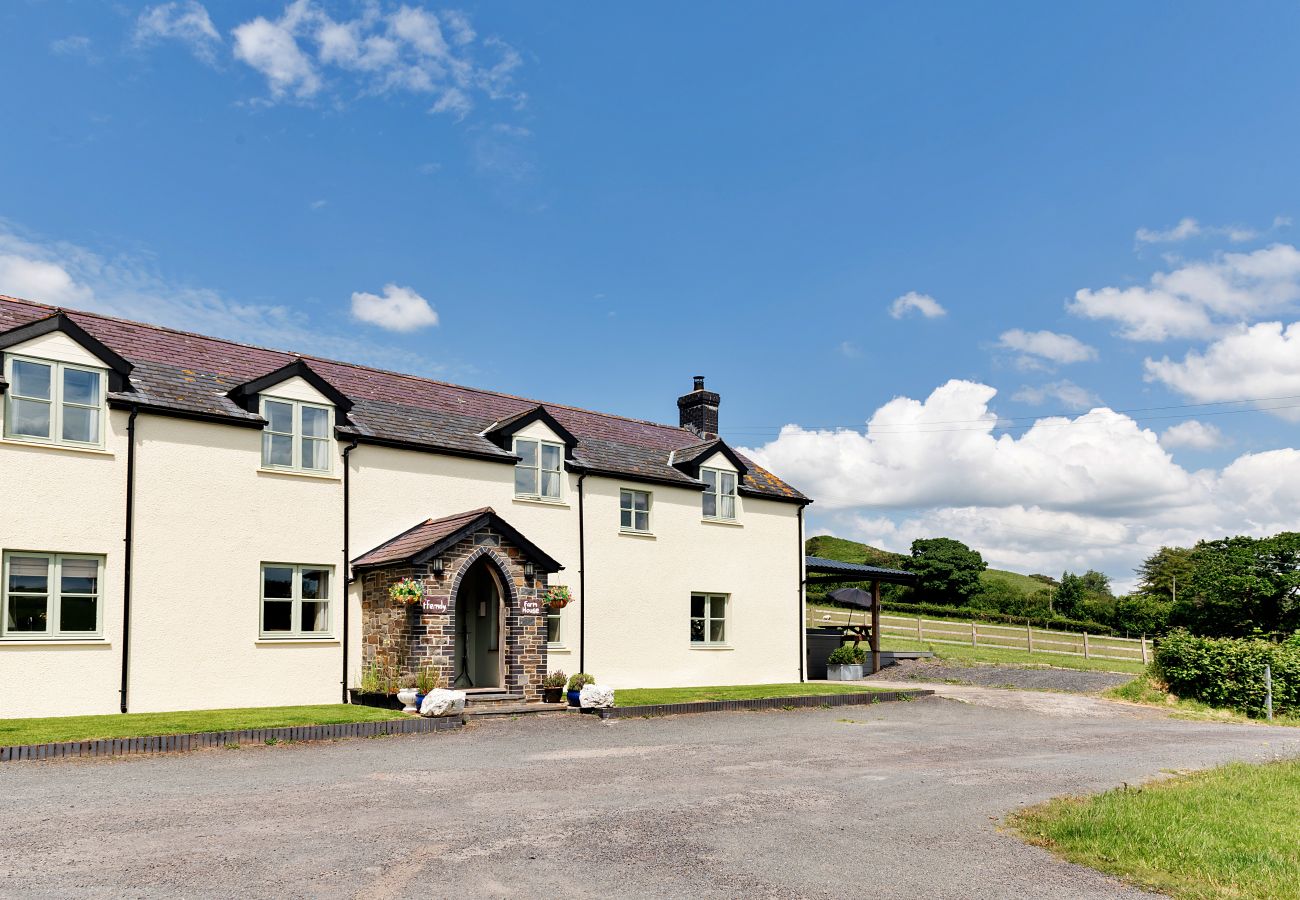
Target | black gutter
(129,552)
(397,444)
(582,581)
(803,602)
(173,413)
(347,579)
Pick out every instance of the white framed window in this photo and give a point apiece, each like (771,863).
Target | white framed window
(51,595)
(295,601)
(538,472)
(297,435)
(634,510)
(54,402)
(709,618)
(719,494)
(554,634)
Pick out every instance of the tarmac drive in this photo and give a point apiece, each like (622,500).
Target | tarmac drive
(894,800)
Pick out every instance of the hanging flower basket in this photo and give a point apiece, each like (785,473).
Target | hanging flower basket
(558,597)
(407,592)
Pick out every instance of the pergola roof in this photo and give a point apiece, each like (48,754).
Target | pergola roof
(842,571)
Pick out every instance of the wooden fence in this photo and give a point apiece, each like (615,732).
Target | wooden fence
(1024,638)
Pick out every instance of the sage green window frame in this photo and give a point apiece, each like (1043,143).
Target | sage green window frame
(56,401)
(53,595)
(709,627)
(539,468)
(297,436)
(295,600)
(629,514)
(720,492)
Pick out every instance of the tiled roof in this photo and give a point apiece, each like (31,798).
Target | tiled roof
(190,374)
(433,536)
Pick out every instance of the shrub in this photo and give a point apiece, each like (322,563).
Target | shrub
(555,679)
(847,655)
(580,680)
(1229,672)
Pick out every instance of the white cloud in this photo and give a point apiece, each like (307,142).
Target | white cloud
(1065,392)
(1256,362)
(186,21)
(1039,347)
(74,45)
(271,48)
(1193,435)
(68,275)
(912,301)
(399,309)
(1095,490)
(850,350)
(1190,228)
(1199,299)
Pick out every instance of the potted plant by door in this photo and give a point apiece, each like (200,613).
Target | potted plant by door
(576,684)
(846,663)
(407,692)
(428,680)
(553,687)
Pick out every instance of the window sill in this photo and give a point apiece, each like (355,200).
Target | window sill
(632,532)
(273,642)
(734,523)
(54,642)
(293,473)
(702,646)
(62,448)
(557,648)
(539,501)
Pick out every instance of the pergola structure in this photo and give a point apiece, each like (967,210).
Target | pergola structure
(819,570)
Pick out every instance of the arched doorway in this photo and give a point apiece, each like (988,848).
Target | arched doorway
(480,615)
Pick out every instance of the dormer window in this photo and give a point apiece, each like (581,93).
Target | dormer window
(537,474)
(297,435)
(54,402)
(719,494)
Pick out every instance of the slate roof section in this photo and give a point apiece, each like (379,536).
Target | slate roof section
(819,565)
(186,374)
(433,536)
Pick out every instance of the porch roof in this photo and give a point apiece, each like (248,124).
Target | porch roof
(836,571)
(431,537)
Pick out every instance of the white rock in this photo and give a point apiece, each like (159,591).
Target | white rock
(443,703)
(596,696)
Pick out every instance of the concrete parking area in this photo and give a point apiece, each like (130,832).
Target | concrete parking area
(895,800)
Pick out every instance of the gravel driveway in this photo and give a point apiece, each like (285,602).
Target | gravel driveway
(1040,678)
(896,800)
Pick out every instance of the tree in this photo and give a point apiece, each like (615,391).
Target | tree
(1240,585)
(1085,596)
(948,571)
(1163,570)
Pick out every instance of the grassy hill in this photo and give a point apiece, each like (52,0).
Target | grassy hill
(844,550)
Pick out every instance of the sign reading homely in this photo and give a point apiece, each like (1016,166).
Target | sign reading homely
(530,606)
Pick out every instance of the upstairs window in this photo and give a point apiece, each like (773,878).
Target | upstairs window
(297,436)
(49,595)
(719,494)
(295,601)
(54,402)
(634,510)
(537,474)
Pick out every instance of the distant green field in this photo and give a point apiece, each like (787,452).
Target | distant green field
(844,550)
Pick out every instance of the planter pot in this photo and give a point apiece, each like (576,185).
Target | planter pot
(407,698)
(376,699)
(553,695)
(558,604)
(575,698)
(845,672)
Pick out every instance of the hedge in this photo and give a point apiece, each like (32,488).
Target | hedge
(1229,672)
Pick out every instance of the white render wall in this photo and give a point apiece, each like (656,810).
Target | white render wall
(207,516)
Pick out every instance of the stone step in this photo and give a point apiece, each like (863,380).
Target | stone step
(484,699)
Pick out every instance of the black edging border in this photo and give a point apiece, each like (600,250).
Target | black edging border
(183,743)
(672,709)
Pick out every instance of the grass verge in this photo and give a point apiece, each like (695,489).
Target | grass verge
(1149,692)
(88,728)
(958,653)
(650,696)
(1230,832)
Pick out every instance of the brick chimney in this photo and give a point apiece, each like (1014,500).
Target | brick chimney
(699,410)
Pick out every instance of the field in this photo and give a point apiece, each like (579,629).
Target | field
(1225,833)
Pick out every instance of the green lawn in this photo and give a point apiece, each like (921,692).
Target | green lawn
(1149,692)
(86,728)
(1226,833)
(648,696)
(960,653)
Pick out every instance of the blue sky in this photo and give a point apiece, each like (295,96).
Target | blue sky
(595,202)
